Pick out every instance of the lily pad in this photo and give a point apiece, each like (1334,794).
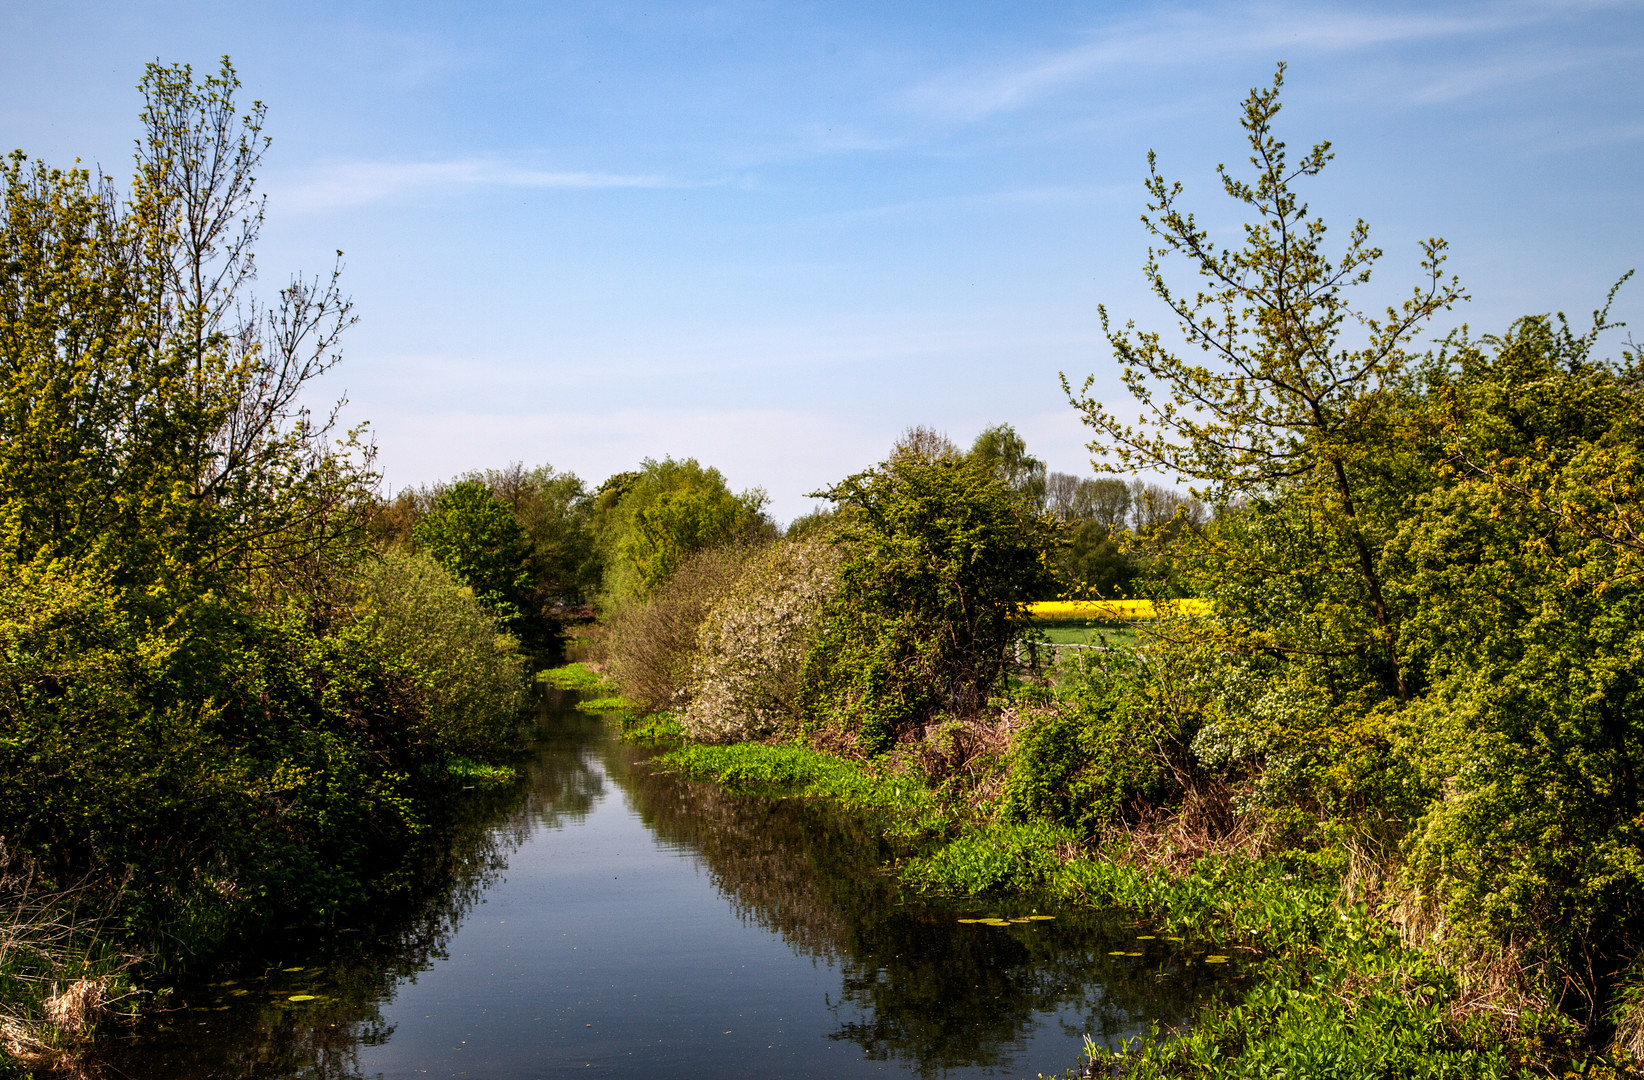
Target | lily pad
(1037,918)
(302,997)
(1215,959)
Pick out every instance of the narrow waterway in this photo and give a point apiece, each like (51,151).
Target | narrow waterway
(609,919)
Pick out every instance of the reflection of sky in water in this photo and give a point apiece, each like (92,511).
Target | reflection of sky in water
(644,923)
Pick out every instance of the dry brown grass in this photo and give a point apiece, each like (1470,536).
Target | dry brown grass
(1206,824)
(74,1009)
(20,1042)
(1629,1029)
(49,944)
(967,755)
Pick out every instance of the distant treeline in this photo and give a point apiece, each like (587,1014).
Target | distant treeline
(540,546)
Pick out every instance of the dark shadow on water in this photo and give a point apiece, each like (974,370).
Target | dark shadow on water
(915,986)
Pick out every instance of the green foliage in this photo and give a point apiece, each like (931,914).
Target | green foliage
(668,512)
(998,858)
(903,806)
(1097,561)
(150,418)
(1004,453)
(234,766)
(1424,575)
(609,704)
(197,729)
(556,512)
(1086,764)
(940,559)
(1286,404)
(815,525)
(650,730)
(469,670)
(575,676)
(475,537)
(468,773)
(1530,627)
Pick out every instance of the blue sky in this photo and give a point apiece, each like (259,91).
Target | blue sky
(773,235)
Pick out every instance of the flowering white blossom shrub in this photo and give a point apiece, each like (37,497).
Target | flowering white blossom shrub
(751,648)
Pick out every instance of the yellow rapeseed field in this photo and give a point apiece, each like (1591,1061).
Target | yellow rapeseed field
(1112,609)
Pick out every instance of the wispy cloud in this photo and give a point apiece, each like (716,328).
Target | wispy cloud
(358,183)
(1463,80)
(1182,38)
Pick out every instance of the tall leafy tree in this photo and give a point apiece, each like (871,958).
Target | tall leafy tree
(474,536)
(1001,449)
(1297,392)
(665,513)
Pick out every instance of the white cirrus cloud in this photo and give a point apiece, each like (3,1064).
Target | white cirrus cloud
(1192,37)
(357,183)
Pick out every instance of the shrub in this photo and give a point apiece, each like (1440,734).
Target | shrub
(941,559)
(649,644)
(470,671)
(750,649)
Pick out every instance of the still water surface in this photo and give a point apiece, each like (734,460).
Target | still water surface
(608,919)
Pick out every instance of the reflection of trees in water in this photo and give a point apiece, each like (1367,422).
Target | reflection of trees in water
(784,864)
(918,986)
(257,1033)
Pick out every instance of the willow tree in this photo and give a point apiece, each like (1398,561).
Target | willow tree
(1296,392)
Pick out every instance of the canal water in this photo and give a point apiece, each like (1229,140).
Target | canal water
(611,919)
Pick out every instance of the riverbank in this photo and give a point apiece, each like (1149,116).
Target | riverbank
(78,971)
(1330,986)
(1334,991)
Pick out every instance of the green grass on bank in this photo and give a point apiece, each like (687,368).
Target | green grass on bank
(905,806)
(609,704)
(478,774)
(574,677)
(661,728)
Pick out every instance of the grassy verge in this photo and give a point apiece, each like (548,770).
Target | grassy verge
(468,773)
(905,807)
(574,677)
